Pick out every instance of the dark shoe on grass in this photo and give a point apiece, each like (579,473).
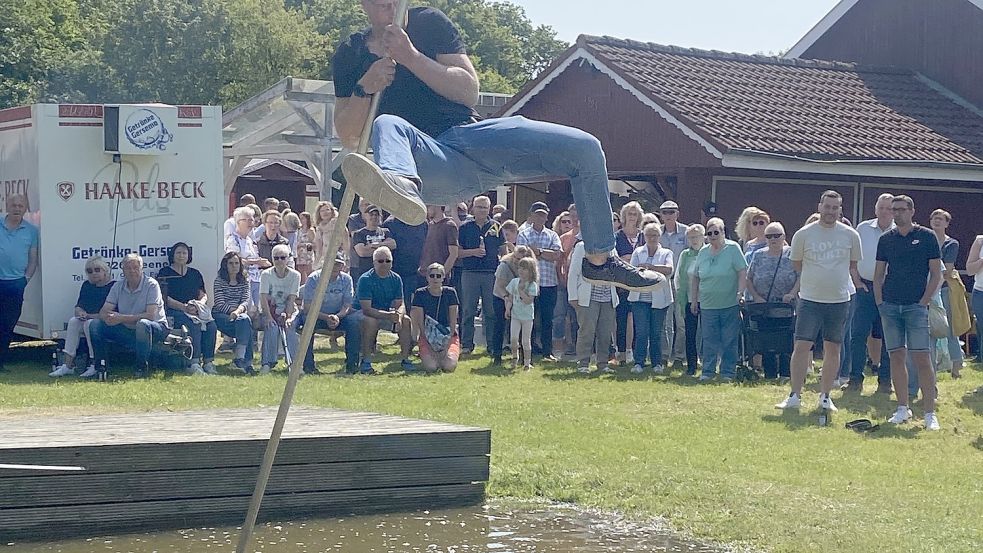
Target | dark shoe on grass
(616,272)
(884,388)
(393,193)
(853,386)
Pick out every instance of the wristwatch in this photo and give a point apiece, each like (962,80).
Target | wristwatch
(359,91)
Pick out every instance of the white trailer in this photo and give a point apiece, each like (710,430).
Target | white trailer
(110,180)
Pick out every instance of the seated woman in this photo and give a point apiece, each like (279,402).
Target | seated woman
(439,303)
(231,308)
(279,288)
(185,301)
(91,298)
(771,278)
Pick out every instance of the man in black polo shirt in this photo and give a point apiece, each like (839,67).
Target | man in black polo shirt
(479,240)
(907,275)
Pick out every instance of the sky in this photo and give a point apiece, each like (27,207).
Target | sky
(746,26)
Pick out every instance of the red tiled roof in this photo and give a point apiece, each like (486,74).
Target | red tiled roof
(812,109)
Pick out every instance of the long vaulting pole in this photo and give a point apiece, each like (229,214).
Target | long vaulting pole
(347,201)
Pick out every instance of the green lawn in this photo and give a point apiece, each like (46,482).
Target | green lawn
(716,460)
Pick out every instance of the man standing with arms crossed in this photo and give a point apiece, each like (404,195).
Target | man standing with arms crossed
(907,275)
(865,316)
(430,148)
(18,262)
(825,254)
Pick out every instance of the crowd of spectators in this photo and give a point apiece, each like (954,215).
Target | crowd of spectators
(431,283)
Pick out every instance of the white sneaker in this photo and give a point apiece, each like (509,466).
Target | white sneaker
(209,368)
(841,381)
(931,422)
(902,415)
(637,369)
(584,369)
(61,370)
(791,402)
(826,403)
(658,369)
(195,370)
(90,372)
(265,369)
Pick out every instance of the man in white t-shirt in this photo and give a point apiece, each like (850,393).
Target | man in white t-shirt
(279,287)
(825,254)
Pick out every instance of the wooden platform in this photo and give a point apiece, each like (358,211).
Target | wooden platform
(165,470)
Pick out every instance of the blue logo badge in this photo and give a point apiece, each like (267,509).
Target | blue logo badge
(145,130)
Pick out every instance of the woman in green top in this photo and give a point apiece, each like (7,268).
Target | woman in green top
(716,291)
(687,259)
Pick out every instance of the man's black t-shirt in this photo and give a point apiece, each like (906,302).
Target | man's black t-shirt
(907,260)
(368,237)
(409,246)
(448,297)
(470,236)
(432,33)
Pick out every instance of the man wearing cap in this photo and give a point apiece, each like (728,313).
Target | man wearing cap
(337,313)
(674,238)
(430,148)
(366,240)
(545,244)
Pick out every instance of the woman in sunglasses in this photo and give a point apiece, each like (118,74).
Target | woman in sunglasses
(772,279)
(750,229)
(91,298)
(716,291)
(438,303)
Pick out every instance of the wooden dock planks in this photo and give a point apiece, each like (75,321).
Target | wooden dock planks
(159,470)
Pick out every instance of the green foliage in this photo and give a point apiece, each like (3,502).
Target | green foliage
(222,51)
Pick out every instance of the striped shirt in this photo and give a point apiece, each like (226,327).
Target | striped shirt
(228,298)
(544,240)
(600,294)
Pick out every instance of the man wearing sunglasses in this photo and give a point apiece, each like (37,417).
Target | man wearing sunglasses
(279,287)
(825,254)
(380,299)
(430,148)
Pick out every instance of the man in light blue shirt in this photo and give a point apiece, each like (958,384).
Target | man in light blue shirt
(336,313)
(18,262)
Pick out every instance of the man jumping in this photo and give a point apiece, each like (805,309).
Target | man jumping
(430,148)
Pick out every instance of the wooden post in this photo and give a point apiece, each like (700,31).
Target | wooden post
(347,201)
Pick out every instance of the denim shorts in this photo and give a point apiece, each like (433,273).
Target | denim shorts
(905,326)
(812,317)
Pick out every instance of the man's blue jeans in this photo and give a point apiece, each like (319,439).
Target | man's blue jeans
(864,315)
(476,285)
(241,329)
(467,160)
(649,331)
(350,325)
(721,334)
(140,339)
(272,339)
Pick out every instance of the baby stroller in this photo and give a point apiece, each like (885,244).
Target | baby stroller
(768,330)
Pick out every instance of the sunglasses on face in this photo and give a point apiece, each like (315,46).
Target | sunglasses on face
(773,236)
(93,270)
(668,211)
(713,233)
(759,222)
(383,260)
(433,275)
(279,257)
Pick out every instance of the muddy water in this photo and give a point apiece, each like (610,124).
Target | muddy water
(494,528)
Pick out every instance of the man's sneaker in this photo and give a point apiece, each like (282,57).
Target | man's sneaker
(550,358)
(841,381)
(241,364)
(407,365)
(61,370)
(826,403)
(209,368)
(791,402)
(195,370)
(706,377)
(853,386)
(606,370)
(366,367)
(90,372)
(265,368)
(583,369)
(884,388)
(393,193)
(658,369)
(637,369)
(902,415)
(931,422)
(617,272)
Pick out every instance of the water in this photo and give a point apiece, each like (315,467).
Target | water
(493,528)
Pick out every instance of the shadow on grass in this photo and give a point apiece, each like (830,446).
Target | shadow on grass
(974,401)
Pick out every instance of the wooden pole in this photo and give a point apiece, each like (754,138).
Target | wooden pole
(347,201)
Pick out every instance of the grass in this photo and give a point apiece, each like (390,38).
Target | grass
(717,461)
